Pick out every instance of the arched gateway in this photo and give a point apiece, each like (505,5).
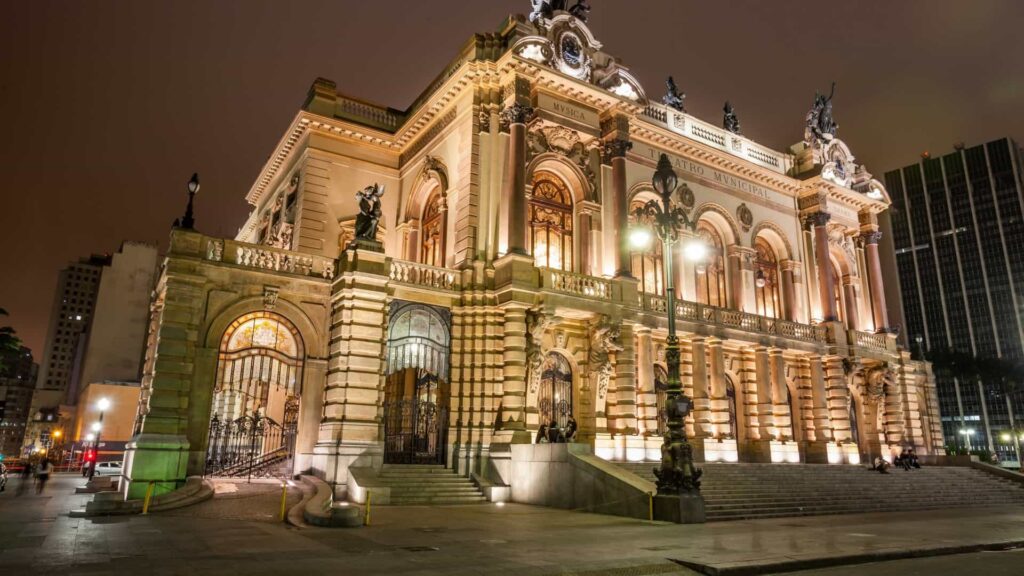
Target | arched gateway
(256,398)
(417,390)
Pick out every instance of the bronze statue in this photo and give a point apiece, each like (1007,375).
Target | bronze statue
(580,10)
(729,120)
(674,98)
(820,124)
(369,212)
(545,9)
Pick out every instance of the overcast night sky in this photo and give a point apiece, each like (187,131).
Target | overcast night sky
(106,108)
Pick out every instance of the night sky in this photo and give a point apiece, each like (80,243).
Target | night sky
(106,108)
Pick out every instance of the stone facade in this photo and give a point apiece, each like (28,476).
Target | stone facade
(508,193)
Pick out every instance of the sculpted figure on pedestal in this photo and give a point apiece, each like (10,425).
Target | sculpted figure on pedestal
(820,124)
(369,212)
(729,120)
(674,98)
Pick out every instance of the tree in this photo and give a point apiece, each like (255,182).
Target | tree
(9,343)
(1007,376)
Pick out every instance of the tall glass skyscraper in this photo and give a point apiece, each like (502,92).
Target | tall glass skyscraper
(958,233)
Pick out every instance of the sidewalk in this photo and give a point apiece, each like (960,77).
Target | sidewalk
(36,535)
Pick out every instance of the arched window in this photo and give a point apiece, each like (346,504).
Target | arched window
(551,223)
(711,272)
(433,234)
(554,399)
(766,280)
(647,265)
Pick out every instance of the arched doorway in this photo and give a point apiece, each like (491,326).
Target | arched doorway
(255,407)
(417,391)
(554,396)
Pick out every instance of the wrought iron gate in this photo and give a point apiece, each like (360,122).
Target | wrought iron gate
(415,432)
(554,398)
(248,446)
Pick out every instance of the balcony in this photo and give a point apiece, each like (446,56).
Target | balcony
(883,344)
(575,284)
(260,257)
(423,276)
(695,312)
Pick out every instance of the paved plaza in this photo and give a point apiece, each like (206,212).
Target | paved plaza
(237,533)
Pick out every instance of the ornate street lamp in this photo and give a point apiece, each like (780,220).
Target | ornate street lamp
(188,221)
(677,476)
(102,405)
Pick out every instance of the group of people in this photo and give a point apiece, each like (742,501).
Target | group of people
(42,472)
(906,460)
(553,434)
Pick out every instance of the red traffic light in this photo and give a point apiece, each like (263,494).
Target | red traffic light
(90,456)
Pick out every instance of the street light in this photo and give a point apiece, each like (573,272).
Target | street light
(677,476)
(102,405)
(193,188)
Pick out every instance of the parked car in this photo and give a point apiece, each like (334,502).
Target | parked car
(108,468)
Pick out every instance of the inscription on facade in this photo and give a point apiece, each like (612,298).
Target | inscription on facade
(689,167)
(569,110)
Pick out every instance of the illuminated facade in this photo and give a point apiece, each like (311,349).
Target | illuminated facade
(499,292)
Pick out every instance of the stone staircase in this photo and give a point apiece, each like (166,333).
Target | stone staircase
(748,491)
(428,484)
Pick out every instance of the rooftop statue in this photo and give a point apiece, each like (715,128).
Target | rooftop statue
(729,120)
(545,9)
(674,98)
(369,212)
(820,124)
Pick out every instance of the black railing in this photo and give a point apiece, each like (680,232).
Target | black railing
(415,432)
(248,446)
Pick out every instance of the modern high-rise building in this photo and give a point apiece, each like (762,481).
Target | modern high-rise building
(97,333)
(17,381)
(958,233)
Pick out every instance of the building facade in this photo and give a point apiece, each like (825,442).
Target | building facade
(493,289)
(97,334)
(18,374)
(958,232)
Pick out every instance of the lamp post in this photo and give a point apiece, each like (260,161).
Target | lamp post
(677,476)
(103,404)
(193,188)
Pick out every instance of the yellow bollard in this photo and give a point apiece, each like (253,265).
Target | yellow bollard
(149,496)
(284,498)
(366,519)
(650,506)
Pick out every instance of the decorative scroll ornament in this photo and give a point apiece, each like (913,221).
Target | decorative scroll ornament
(878,380)
(745,216)
(485,121)
(686,198)
(270,294)
(563,141)
(604,339)
(537,323)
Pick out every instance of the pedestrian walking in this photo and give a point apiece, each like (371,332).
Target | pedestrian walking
(26,477)
(43,475)
(3,477)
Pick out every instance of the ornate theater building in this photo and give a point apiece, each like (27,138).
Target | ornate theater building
(431,286)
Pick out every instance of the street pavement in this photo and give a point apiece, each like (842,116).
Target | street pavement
(237,533)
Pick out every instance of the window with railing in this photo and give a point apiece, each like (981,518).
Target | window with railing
(648,264)
(766,280)
(711,272)
(550,223)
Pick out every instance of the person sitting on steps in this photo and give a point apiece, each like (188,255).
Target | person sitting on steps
(880,465)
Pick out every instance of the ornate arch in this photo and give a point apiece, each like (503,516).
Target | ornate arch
(720,218)
(775,236)
(433,176)
(312,340)
(570,174)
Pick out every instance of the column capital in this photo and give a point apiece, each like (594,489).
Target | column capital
(817,219)
(871,236)
(516,113)
(791,265)
(615,148)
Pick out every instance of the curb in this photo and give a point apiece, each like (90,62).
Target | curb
(849,560)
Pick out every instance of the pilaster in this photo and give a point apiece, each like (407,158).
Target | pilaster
(625,383)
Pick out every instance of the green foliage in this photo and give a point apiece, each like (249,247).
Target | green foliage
(9,342)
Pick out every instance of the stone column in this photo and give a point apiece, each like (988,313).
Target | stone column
(616,151)
(685,270)
(757,379)
(625,383)
(719,402)
(781,416)
(826,283)
(790,306)
(851,300)
(513,403)
(879,313)
(741,278)
(838,397)
(647,399)
(702,427)
(817,450)
(516,117)
(584,228)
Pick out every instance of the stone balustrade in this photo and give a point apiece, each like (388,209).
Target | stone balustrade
(716,137)
(693,311)
(423,275)
(874,342)
(575,284)
(263,257)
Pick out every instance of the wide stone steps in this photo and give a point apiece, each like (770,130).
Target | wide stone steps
(747,491)
(424,484)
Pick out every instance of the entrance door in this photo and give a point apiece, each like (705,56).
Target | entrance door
(417,393)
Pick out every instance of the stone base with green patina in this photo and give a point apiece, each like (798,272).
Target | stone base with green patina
(158,458)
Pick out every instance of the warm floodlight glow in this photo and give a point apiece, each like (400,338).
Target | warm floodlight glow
(640,238)
(57,433)
(90,437)
(695,250)
(96,426)
(1005,437)
(102,404)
